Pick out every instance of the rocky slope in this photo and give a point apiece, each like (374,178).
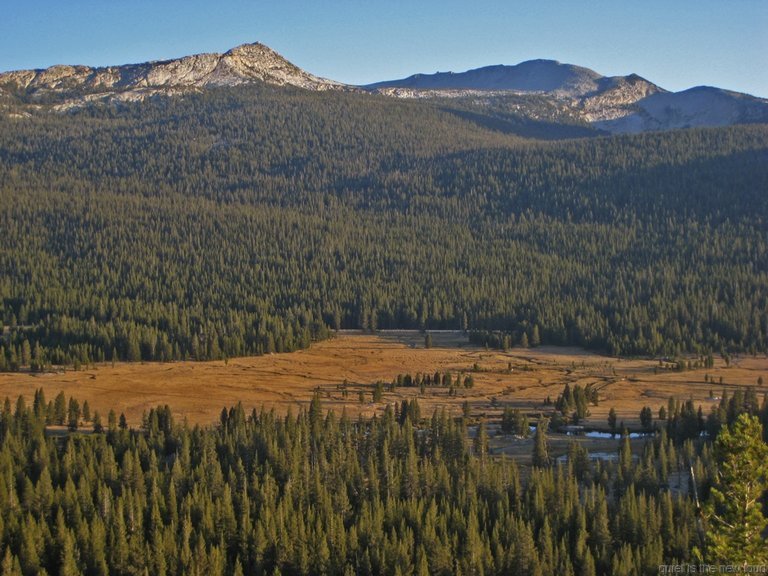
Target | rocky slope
(68,86)
(532,76)
(617,104)
(614,97)
(540,91)
(696,107)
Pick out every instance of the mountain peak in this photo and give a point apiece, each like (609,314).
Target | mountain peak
(243,64)
(614,104)
(255,52)
(694,107)
(250,47)
(539,90)
(530,76)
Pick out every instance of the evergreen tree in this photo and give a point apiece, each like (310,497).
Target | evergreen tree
(737,526)
(612,420)
(535,337)
(10,565)
(480,443)
(540,456)
(646,418)
(60,409)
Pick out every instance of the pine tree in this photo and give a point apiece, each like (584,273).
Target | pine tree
(646,417)
(734,514)
(98,427)
(31,546)
(480,443)
(612,420)
(535,338)
(625,457)
(69,555)
(133,352)
(73,414)
(10,565)
(540,457)
(60,409)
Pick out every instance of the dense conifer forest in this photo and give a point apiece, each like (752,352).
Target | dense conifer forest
(249,220)
(320,493)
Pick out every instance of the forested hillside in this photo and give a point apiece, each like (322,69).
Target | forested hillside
(253,219)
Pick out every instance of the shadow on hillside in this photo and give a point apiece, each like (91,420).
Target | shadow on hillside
(525,127)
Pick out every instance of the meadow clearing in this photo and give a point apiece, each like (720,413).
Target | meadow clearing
(520,377)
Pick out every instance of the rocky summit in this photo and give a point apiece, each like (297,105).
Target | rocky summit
(75,85)
(615,104)
(537,91)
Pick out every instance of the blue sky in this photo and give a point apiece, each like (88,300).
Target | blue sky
(675,43)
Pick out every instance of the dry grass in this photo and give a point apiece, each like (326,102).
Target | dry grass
(198,391)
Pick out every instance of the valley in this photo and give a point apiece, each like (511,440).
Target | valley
(316,325)
(197,391)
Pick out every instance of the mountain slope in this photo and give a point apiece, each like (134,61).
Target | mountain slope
(696,107)
(618,104)
(530,76)
(535,99)
(72,85)
(249,219)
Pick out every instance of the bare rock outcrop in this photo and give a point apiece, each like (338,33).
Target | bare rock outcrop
(78,85)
